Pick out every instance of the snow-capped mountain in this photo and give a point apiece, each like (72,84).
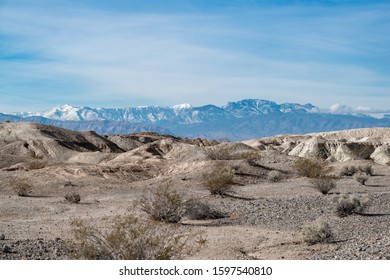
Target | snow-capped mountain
(182,113)
(245,119)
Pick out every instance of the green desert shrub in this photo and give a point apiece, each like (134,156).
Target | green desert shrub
(317,232)
(219,181)
(164,204)
(351,204)
(128,238)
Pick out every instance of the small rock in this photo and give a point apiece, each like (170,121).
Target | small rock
(2,236)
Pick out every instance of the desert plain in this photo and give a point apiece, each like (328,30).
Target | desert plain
(264,213)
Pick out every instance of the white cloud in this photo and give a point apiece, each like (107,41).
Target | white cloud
(83,56)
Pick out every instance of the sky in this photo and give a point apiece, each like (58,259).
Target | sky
(126,53)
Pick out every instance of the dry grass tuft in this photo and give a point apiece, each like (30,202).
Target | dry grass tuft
(22,188)
(127,238)
(198,210)
(73,197)
(275,176)
(312,168)
(317,232)
(219,181)
(351,204)
(164,204)
(323,184)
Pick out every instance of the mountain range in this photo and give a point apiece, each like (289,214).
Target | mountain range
(245,119)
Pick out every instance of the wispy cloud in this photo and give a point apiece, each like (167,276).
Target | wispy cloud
(84,55)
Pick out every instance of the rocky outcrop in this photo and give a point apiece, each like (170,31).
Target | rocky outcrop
(356,144)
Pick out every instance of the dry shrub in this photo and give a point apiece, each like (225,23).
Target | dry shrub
(361,178)
(317,232)
(367,169)
(36,164)
(127,238)
(22,188)
(349,170)
(164,204)
(219,153)
(323,184)
(351,204)
(219,181)
(73,197)
(275,176)
(250,155)
(198,210)
(311,168)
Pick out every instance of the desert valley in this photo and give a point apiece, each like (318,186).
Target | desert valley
(297,196)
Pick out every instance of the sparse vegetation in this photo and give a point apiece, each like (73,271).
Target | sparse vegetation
(361,178)
(317,232)
(219,153)
(323,184)
(351,170)
(128,238)
(275,175)
(250,155)
(198,210)
(73,197)
(367,169)
(351,204)
(219,181)
(164,204)
(36,164)
(312,168)
(22,188)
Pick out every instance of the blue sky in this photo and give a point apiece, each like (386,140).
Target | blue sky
(126,53)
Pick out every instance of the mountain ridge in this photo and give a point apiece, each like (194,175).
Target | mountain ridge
(240,120)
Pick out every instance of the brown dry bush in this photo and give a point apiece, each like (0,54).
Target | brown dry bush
(22,188)
(323,184)
(219,153)
(275,176)
(73,197)
(250,155)
(164,204)
(351,204)
(367,169)
(312,168)
(198,210)
(317,232)
(127,238)
(219,181)
(349,170)
(361,178)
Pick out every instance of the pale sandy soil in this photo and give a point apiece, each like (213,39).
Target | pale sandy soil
(267,225)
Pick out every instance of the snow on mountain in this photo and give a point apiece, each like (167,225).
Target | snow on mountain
(245,119)
(182,113)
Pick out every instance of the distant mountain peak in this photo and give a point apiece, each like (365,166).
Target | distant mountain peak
(244,119)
